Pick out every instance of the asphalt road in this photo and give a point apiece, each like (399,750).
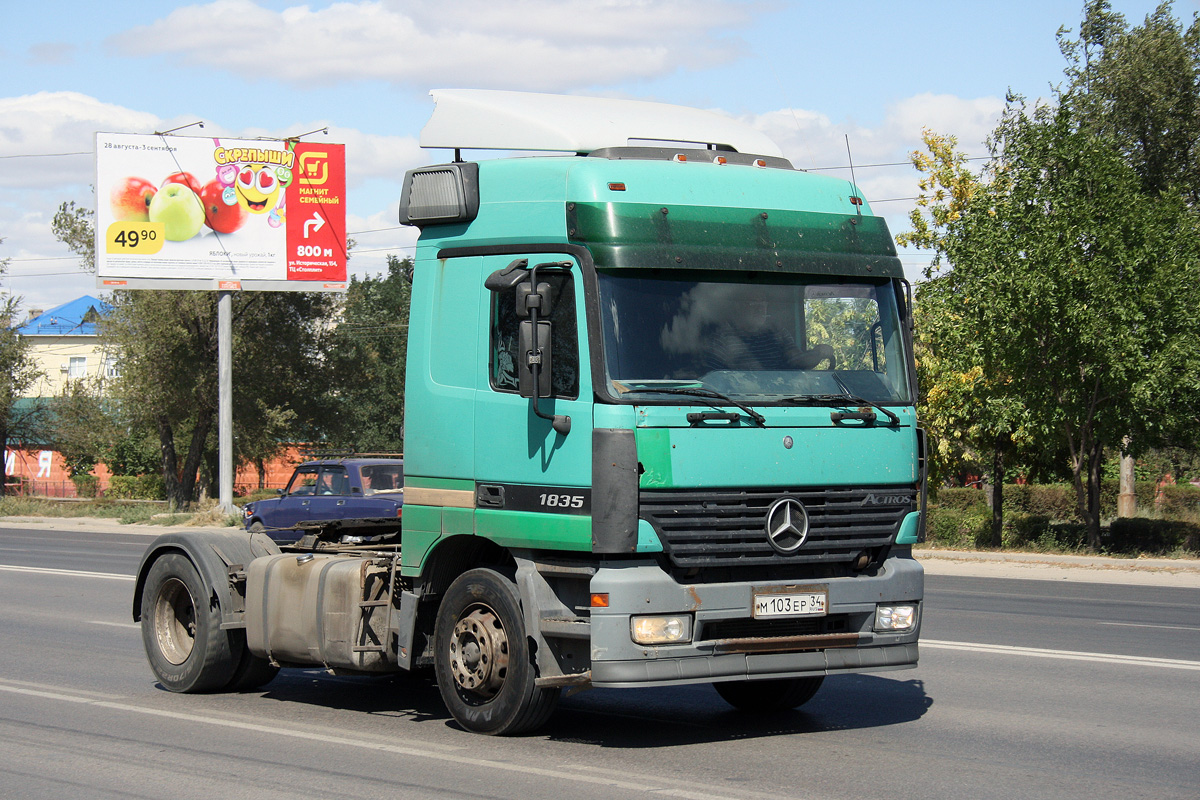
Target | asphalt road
(1026,688)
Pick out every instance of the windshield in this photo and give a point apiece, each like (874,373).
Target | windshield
(779,338)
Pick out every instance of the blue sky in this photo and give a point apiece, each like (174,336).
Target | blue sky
(807,73)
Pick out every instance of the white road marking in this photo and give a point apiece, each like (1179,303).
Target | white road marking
(115,624)
(1066,655)
(658,788)
(1147,625)
(73,572)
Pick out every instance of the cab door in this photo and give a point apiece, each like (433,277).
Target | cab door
(532,482)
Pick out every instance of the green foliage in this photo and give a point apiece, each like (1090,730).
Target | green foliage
(85,485)
(83,428)
(1059,314)
(1138,535)
(18,421)
(136,487)
(366,358)
(958,528)
(133,453)
(168,383)
(72,225)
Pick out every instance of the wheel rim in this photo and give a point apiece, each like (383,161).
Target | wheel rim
(175,621)
(479,654)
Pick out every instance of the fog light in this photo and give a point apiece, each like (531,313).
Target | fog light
(661,629)
(895,618)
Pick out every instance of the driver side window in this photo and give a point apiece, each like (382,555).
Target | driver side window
(502,352)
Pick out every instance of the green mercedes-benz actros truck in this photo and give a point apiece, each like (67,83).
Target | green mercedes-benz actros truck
(659,430)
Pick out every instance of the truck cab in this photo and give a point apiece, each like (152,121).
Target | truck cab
(675,384)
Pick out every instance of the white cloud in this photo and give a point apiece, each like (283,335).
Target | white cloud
(47,124)
(512,44)
(814,141)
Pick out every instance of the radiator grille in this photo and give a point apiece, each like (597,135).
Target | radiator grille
(727,527)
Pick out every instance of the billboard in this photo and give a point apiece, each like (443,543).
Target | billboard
(181,212)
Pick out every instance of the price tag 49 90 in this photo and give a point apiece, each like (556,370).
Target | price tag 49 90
(134,238)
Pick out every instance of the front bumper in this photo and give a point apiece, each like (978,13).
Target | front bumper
(643,588)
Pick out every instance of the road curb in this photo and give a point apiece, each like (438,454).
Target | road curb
(1166,572)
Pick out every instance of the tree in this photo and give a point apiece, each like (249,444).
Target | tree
(84,429)
(366,360)
(966,405)
(17,374)
(167,341)
(168,382)
(1140,87)
(72,225)
(1080,286)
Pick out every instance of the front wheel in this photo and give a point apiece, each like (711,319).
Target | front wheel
(181,629)
(485,669)
(779,694)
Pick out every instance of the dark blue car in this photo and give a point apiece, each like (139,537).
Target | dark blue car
(344,488)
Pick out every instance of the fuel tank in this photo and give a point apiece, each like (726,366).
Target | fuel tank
(320,610)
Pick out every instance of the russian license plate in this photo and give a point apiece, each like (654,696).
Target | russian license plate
(791,601)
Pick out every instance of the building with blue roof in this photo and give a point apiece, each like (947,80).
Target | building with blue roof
(65,347)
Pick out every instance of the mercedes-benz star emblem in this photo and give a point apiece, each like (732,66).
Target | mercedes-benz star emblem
(787,525)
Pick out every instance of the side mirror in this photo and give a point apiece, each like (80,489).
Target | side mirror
(533,351)
(279,492)
(528,299)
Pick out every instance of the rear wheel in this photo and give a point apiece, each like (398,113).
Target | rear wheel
(181,629)
(485,669)
(251,671)
(779,694)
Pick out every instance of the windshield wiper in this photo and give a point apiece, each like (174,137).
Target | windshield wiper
(845,396)
(711,394)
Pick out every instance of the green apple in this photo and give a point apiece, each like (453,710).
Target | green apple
(179,210)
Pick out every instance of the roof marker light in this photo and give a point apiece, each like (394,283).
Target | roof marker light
(616,187)
(720,160)
(679,157)
(760,162)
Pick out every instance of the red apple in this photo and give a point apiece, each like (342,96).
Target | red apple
(218,215)
(186,178)
(130,199)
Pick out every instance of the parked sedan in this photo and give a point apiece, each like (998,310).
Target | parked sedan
(344,488)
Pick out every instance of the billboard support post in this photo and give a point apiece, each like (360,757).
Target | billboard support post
(225,399)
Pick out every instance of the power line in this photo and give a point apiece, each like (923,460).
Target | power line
(49,155)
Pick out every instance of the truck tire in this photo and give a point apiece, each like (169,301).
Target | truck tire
(251,671)
(181,629)
(778,694)
(483,660)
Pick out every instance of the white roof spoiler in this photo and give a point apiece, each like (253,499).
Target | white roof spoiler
(484,119)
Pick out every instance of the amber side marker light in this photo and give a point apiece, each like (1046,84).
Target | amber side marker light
(616,187)
(600,600)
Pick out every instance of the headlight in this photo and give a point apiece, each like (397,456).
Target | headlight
(661,629)
(895,618)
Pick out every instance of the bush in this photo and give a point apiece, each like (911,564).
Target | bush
(958,528)
(85,485)
(961,498)
(1041,534)
(139,487)
(1158,536)
(1179,501)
